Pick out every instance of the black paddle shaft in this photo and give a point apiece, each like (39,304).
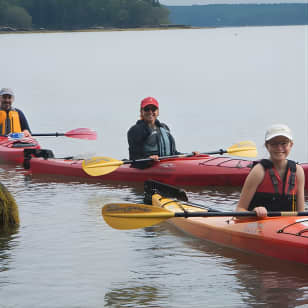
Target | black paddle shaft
(221,151)
(236,214)
(49,134)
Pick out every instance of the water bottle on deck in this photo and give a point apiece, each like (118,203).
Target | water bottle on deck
(15,136)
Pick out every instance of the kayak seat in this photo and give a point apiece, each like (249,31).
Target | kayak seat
(152,187)
(29,153)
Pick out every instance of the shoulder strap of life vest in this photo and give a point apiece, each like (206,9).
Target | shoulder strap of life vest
(292,167)
(267,164)
(2,121)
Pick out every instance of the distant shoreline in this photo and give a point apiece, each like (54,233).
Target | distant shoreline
(135,29)
(10,30)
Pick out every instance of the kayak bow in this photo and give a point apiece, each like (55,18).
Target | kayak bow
(284,237)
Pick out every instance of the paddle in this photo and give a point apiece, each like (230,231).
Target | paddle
(79,133)
(124,216)
(97,166)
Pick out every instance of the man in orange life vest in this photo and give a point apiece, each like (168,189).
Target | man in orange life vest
(12,120)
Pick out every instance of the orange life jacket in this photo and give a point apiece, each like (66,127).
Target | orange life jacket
(9,122)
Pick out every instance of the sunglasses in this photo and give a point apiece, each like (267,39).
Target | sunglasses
(276,144)
(148,108)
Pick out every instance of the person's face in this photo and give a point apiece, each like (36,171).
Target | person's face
(279,147)
(149,113)
(6,101)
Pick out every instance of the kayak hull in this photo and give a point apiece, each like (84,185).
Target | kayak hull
(12,151)
(284,238)
(203,170)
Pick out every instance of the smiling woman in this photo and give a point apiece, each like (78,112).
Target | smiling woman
(275,184)
(149,137)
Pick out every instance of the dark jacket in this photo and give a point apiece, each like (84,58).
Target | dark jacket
(137,136)
(23,121)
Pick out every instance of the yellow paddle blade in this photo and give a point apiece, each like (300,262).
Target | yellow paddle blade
(124,216)
(243,148)
(96,166)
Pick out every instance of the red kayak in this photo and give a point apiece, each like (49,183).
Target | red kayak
(203,170)
(12,147)
(12,150)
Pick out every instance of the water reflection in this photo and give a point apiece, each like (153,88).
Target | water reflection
(7,245)
(66,248)
(260,280)
(268,281)
(134,296)
(273,288)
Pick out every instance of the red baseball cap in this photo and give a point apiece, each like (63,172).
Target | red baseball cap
(149,101)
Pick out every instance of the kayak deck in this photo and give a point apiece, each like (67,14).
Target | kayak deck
(285,238)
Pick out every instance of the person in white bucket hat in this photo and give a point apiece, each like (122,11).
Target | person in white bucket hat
(274,184)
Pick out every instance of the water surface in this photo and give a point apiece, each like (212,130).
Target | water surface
(216,87)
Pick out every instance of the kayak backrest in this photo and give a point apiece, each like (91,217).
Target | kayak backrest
(29,153)
(152,187)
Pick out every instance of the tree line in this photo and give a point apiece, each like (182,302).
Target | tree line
(235,15)
(70,14)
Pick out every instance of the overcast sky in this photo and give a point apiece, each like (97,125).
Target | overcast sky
(190,2)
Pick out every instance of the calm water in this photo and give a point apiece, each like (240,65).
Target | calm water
(216,87)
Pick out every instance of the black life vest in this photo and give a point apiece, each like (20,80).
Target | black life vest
(274,193)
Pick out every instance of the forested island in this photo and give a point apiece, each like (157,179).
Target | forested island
(235,15)
(106,14)
(79,14)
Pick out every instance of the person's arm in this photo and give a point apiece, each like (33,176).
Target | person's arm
(136,136)
(300,197)
(253,180)
(25,128)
